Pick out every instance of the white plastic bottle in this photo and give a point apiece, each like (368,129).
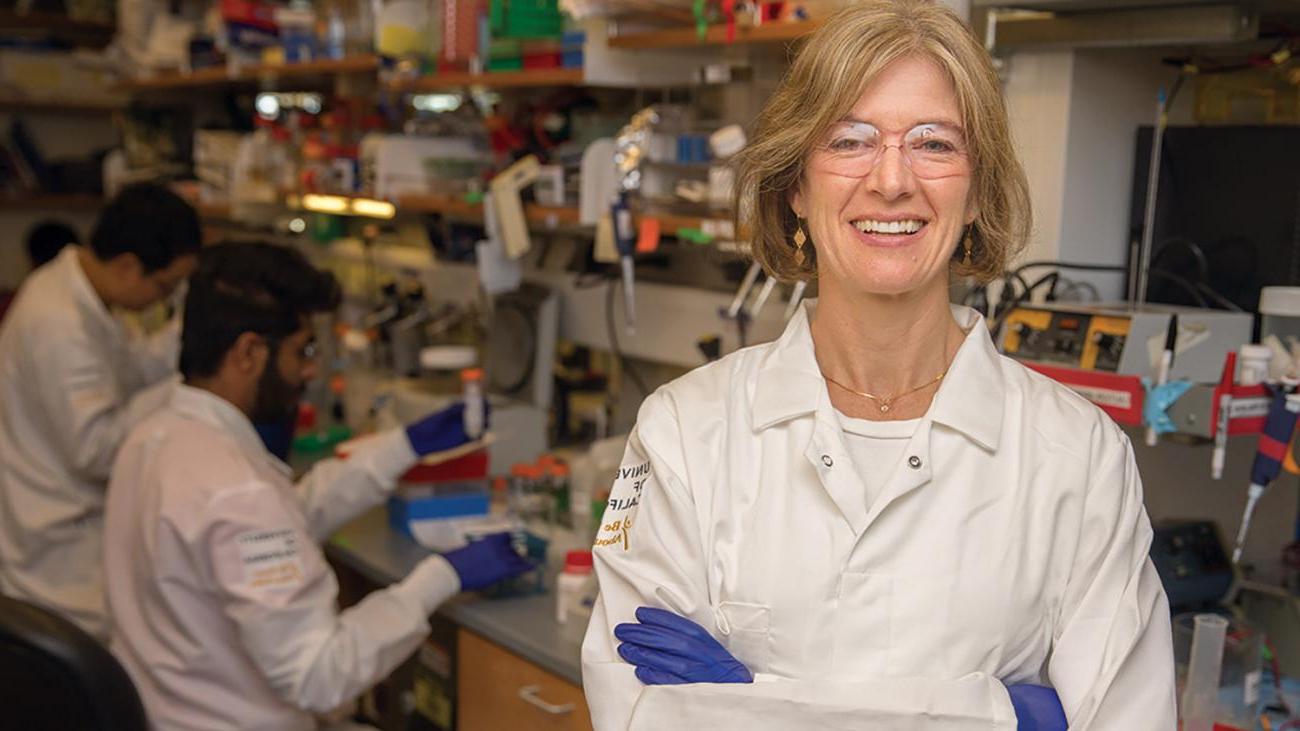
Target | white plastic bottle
(575,587)
(471,380)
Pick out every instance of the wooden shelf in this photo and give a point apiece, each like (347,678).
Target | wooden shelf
(59,27)
(669,223)
(551,215)
(491,79)
(269,73)
(444,204)
(56,106)
(51,201)
(773,32)
(452,206)
(10,20)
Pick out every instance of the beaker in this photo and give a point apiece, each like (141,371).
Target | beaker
(1240,677)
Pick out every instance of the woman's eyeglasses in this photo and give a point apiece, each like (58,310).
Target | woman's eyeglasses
(854,149)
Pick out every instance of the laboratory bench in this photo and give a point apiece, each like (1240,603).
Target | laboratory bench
(488,663)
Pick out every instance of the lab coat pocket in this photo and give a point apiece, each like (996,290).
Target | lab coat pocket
(863,623)
(746,632)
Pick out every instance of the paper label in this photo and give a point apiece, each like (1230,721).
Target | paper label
(1104,396)
(1252,683)
(270,558)
(1249,408)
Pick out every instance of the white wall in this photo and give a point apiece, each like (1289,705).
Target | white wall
(1075,115)
(1037,88)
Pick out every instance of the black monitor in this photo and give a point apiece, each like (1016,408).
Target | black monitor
(1228,211)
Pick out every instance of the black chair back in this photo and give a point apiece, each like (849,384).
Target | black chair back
(53,675)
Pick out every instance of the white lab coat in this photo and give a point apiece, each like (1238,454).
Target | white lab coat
(224,609)
(1008,546)
(73,381)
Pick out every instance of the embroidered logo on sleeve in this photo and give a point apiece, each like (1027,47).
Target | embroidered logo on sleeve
(271,559)
(621,508)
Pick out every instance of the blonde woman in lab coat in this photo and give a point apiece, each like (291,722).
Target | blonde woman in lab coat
(877,521)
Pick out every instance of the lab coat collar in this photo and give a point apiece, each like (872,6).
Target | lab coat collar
(68,265)
(789,383)
(213,410)
(970,398)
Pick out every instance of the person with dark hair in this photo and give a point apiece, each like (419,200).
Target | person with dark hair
(224,609)
(74,378)
(46,239)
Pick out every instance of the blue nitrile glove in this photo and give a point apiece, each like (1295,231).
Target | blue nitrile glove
(668,649)
(442,430)
(1037,708)
(486,561)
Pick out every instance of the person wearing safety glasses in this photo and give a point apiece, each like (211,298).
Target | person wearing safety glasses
(223,607)
(877,521)
(74,378)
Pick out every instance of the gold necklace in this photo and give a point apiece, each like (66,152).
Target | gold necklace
(886,403)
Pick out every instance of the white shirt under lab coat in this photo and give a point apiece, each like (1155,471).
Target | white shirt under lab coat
(73,380)
(224,609)
(1009,546)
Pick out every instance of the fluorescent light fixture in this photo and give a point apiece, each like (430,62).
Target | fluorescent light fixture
(268,106)
(436,102)
(325,203)
(372,208)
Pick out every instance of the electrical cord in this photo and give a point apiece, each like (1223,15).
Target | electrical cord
(1071,286)
(612,331)
(1175,242)
(1198,290)
(1192,288)
(1173,91)
(1020,279)
(1005,307)
(1002,312)
(1217,298)
(1069,265)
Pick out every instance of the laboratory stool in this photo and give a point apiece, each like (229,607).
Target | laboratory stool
(53,675)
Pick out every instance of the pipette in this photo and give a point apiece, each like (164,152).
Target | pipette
(625,241)
(1273,443)
(1162,369)
(1225,416)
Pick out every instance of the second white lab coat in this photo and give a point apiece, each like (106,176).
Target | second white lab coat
(73,381)
(224,608)
(1008,546)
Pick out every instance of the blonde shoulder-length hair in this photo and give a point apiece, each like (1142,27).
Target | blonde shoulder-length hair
(828,77)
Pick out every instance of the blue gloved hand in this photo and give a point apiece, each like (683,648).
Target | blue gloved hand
(668,649)
(486,561)
(442,430)
(1037,708)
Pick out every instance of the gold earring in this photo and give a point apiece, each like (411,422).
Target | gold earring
(799,240)
(966,260)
